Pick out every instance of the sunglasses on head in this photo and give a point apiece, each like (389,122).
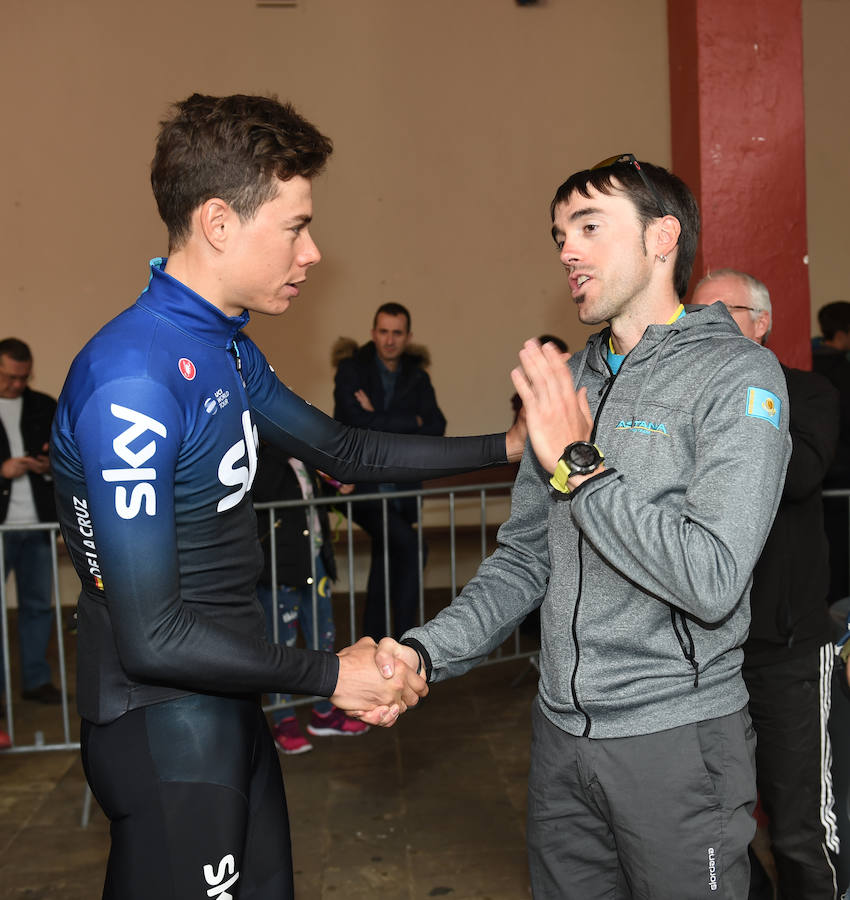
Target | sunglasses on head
(629,159)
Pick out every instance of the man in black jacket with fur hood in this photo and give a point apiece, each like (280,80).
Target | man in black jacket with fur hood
(383,386)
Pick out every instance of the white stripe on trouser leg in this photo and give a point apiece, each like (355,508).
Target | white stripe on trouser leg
(827,800)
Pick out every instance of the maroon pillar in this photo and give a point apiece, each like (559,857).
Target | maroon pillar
(738,135)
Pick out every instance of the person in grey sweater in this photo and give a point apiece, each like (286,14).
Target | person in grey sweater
(656,465)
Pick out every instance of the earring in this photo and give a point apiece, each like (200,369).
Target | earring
(663,258)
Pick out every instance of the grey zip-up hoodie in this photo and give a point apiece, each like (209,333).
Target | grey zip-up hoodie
(645,570)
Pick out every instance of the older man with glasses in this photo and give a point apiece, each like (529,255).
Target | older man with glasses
(788,654)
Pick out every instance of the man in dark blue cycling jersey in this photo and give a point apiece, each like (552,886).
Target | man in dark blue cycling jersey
(154,453)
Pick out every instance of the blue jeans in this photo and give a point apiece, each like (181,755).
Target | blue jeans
(294,608)
(28,554)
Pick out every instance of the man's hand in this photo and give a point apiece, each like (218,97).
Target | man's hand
(386,654)
(556,414)
(389,651)
(363,399)
(363,690)
(38,464)
(16,466)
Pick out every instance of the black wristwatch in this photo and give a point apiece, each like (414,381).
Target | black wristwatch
(579,458)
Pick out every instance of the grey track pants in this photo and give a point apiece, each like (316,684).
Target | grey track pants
(664,816)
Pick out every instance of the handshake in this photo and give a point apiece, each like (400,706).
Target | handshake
(378,682)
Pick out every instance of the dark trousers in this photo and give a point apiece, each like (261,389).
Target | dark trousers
(789,703)
(194,794)
(404,566)
(835,523)
(663,816)
(27,553)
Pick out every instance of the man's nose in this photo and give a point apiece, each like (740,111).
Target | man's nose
(310,253)
(569,256)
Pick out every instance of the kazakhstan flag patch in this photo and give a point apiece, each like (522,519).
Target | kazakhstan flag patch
(762,404)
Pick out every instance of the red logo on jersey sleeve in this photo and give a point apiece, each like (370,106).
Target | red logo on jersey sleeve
(187,368)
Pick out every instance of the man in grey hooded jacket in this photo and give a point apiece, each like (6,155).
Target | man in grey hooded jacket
(642,777)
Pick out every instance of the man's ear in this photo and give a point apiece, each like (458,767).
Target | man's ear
(214,219)
(762,324)
(667,231)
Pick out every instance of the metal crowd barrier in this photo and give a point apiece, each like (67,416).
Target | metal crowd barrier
(346,504)
(38,743)
(342,503)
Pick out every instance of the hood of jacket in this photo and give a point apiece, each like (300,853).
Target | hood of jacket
(699,323)
(416,355)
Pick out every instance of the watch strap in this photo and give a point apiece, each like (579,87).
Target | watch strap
(559,478)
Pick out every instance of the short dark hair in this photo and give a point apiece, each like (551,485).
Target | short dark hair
(15,349)
(229,147)
(392,309)
(834,317)
(623,178)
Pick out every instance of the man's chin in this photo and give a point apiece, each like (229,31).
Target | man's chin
(585,313)
(277,307)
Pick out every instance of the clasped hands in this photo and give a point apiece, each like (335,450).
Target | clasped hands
(378,682)
(366,405)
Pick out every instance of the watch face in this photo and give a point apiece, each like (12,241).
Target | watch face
(583,455)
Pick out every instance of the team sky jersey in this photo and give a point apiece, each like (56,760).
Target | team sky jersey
(154,453)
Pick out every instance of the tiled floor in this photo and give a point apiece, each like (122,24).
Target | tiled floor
(431,808)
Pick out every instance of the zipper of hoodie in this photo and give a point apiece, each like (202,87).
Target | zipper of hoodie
(606,390)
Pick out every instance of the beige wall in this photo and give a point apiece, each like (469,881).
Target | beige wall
(826,24)
(454,120)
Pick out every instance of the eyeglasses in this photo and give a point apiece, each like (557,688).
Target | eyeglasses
(629,159)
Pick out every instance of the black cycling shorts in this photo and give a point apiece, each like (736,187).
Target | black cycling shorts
(193,790)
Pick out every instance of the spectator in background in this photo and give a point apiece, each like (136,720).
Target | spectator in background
(829,358)
(26,497)
(788,656)
(383,386)
(302,534)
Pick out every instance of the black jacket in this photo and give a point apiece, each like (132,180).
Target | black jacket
(413,395)
(834,365)
(275,480)
(790,580)
(36,419)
